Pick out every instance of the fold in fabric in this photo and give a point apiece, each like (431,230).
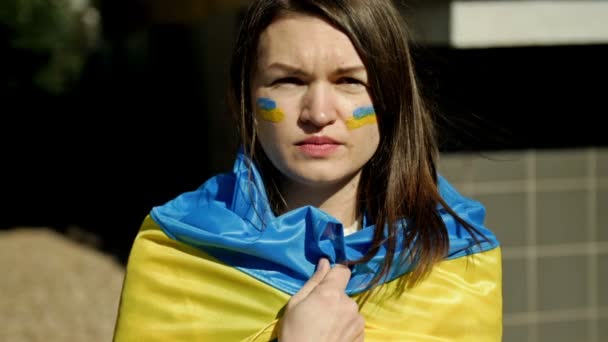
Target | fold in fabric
(175,292)
(229,218)
(216,264)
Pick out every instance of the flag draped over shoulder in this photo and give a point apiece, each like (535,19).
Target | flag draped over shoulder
(216,264)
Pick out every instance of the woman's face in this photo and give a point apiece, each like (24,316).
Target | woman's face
(314,115)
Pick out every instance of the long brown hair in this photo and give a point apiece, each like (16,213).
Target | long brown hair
(400,180)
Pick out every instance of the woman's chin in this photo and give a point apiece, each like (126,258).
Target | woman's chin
(315,178)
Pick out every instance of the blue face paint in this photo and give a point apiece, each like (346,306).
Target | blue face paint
(362,116)
(267,110)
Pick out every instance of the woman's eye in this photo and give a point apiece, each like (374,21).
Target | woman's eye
(349,80)
(351,83)
(288,81)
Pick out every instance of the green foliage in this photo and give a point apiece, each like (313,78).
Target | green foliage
(52,30)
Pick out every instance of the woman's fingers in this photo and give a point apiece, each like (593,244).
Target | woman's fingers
(337,278)
(322,269)
(321,310)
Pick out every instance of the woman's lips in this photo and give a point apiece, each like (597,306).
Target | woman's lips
(318,151)
(318,147)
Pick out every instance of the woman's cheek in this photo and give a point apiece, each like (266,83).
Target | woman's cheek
(267,110)
(362,116)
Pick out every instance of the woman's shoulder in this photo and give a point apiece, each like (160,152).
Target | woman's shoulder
(452,196)
(464,241)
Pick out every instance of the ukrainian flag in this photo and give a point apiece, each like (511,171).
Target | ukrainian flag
(361,117)
(207,266)
(268,110)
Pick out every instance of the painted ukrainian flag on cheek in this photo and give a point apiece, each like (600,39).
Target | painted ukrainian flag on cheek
(267,110)
(361,117)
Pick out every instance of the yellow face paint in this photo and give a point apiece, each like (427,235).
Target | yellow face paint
(361,117)
(267,110)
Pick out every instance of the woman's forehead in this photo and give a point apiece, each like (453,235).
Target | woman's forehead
(301,40)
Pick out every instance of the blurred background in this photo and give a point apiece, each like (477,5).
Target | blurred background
(112,107)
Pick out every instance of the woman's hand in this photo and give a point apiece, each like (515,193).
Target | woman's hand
(321,310)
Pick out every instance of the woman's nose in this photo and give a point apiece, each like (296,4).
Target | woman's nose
(319,106)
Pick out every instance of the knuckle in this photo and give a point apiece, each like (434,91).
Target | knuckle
(360,323)
(329,294)
(353,306)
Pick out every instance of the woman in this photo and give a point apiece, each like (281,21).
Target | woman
(333,225)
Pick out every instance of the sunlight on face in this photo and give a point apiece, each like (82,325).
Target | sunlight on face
(315,118)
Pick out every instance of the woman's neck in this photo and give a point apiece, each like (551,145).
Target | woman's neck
(339,199)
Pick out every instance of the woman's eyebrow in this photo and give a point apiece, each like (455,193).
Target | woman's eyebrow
(289,69)
(293,70)
(349,69)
